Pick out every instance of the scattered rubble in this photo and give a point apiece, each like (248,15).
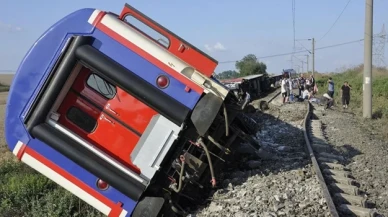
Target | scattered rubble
(278,179)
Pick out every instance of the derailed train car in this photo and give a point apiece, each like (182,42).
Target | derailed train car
(135,125)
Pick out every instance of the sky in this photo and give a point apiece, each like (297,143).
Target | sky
(227,30)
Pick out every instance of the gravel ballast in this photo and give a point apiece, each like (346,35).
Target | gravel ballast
(362,143)
(279,179)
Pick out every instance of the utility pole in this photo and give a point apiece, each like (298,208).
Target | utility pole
(302,66)
(307,61)
(367,84)
(313,53)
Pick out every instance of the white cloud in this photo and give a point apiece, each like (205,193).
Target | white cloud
(9,28)
(216,47)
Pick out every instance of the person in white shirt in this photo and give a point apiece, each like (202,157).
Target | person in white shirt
(308,84)
(284,86)
(247,99)
(306,94)
(290,88)
(329,101)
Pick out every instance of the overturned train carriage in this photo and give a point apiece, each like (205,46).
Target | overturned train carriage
(132,124)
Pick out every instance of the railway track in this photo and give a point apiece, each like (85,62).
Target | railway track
(343,197)
(297,175)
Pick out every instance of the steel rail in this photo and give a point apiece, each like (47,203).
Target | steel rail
(318,172)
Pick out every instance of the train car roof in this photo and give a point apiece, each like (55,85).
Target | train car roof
(238,80)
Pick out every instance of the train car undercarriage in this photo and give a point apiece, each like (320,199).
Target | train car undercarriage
(192,169)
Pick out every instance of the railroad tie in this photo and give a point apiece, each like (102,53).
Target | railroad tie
(344,193)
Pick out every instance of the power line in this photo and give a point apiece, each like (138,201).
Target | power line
(336,45)
(293,19)
(336,20)
(303,51)
(304,47)
(293,25)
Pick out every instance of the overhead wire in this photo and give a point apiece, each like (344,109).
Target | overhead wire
(304,47)
(303,51)
(293,19)
(336,20)
(293,25)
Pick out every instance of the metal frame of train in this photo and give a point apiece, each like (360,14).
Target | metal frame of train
(132,124)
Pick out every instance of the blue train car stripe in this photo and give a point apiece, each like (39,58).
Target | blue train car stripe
(153,52)
(143,68)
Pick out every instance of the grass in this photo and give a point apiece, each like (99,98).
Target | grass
(355,78)
(25,192)
(379,95)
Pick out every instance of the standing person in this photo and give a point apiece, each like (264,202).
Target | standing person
(284,86)
(330,88)
(247,98)
(290,87)
(345,92)
(312,80)
(244,85)
(313,84)
(308,84)
(301,83)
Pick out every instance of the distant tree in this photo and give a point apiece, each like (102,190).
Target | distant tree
(228,74)
(250,65)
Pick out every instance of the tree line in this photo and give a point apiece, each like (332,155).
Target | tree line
(248,65)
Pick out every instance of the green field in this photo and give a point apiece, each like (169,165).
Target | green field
(355,77)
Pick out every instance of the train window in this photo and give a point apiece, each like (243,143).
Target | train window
(100,85)
(147,30)
(81,119)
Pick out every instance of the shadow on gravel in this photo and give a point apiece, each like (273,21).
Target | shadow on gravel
(345,153)
(346,150)
(276,179)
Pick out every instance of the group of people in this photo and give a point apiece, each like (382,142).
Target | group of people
(308,88)
(345,93)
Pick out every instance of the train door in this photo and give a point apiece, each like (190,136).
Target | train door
(105,115)
(170,41)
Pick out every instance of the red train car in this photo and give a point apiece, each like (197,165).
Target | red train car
(176,45)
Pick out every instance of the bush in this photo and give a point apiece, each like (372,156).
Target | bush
(3,87)
(25,192)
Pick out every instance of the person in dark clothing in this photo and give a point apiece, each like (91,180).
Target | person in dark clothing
(330,89)
(345,92)
(312,79)
(301,84)
(313,86)
(244,85)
